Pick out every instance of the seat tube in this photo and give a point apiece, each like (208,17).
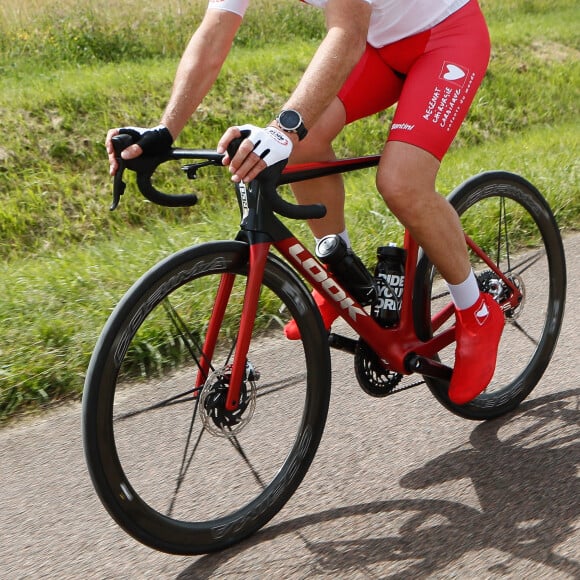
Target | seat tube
(258,257)
(412,250)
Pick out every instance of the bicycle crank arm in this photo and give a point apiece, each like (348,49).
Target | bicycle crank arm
(414,362)
(429,367)
(343,343)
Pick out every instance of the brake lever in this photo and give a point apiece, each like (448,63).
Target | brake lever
(118,188)
(120,142)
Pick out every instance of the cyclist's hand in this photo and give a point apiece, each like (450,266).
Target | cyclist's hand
(155,141)
(260,149)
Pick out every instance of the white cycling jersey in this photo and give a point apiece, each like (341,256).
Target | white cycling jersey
(391,20)
(237,6)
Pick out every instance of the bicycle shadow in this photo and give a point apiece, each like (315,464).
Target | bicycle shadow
(524,470)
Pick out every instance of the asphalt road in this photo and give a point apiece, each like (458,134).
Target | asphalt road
(400,488)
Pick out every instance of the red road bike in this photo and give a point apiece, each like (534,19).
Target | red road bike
(200,419)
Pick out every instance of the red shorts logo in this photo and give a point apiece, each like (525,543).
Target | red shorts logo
(454,73)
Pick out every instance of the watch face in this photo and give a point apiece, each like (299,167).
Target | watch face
(290,120)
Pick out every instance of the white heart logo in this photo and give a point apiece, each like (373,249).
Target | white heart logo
(453,73)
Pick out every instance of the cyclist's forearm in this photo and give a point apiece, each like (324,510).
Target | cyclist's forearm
(199,67)
(336,56)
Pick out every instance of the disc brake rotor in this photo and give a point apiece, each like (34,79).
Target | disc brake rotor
(218,420)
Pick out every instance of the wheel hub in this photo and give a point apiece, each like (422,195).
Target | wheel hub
(216,418)
(489,282)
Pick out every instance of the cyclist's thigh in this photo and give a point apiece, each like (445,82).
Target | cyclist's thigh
(441,83)
(372,86)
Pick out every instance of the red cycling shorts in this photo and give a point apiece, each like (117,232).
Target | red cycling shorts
(433,76)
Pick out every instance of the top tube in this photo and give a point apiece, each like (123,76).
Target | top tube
(305,171)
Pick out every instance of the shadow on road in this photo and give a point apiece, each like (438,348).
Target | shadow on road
(523,469)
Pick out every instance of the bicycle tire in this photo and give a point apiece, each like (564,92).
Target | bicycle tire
(168,474)
(528,248)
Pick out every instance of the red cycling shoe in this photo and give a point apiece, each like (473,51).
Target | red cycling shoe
(478,333)
(328,313)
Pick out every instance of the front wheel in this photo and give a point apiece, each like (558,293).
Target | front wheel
(172,466)
(509,219)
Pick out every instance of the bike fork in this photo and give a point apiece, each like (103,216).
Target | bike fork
(257,264)
(258,257)
(213,329)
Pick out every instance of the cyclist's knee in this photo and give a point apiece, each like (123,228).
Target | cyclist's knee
(312,149)
(398,193)
(406,179)
(409,199)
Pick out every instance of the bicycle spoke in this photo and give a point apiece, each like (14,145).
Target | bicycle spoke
(175,400)
(503,222)
(236,445)
(231,351)
(187,337)
(517,325)
(185,464)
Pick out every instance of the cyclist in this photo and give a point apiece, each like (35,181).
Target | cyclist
(429,57)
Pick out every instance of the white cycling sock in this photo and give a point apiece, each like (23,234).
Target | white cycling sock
(465,295)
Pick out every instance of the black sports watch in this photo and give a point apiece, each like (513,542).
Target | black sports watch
(291,121)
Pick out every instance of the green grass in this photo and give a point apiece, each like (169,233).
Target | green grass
(66,76)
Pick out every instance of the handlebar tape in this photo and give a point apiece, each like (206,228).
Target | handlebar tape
(144,166)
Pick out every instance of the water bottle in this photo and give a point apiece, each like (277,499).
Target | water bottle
(347,267)
(389,280)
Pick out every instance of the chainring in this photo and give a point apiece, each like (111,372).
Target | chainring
(373,377)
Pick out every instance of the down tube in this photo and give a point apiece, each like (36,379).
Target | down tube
(388,343)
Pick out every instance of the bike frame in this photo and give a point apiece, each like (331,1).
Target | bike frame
(398,347)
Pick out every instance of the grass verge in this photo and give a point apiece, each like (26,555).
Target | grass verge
(66,260)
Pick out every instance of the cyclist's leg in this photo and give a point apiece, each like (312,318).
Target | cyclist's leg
(317,146)
(371,87)
(449,64)
(406,180)
(443,68)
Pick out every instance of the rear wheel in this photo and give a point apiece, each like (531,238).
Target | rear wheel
(173,467)
(509,219)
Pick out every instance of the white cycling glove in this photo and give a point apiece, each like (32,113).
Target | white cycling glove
(270,144)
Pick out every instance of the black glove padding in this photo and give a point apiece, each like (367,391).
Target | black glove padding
(155,141)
